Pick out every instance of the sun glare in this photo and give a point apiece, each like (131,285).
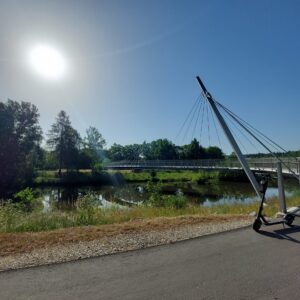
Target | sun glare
(47,61)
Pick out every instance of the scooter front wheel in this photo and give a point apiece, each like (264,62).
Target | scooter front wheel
(257,224)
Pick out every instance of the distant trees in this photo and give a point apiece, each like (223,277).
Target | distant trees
(159,149)
(20,137)
(64,141)
(163,149)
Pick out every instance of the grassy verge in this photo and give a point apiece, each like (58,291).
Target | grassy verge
(14,220)
(18,243)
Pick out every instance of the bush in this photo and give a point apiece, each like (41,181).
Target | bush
(156,198)
(176,201)
(97,168)
(25,200)
(87,208)
(153,175)
(155,191)
(87,201)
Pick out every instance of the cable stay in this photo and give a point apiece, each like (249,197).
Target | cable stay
(191,121)
(252,134)
(246,124)
(188,116)
(198,113)
(202,117)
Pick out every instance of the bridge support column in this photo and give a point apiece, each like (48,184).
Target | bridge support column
(298,167)
(281,194)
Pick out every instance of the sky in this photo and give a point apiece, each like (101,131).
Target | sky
(131,65)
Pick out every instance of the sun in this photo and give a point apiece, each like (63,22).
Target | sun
(47,62)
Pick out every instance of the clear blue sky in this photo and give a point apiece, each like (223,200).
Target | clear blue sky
(132,64)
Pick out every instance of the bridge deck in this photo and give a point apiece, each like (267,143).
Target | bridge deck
(290,168)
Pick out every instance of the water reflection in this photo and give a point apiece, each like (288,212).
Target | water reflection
(132,194)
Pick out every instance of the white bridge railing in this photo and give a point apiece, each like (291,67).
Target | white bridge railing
(263,164)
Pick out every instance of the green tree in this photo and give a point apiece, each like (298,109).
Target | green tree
(20,136)
(145,151)
(64,141)
(93,144)
(116,152)
(193,150)
(214,153)
(132,152)
(163,149)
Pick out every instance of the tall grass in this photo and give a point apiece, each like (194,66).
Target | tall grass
(12,219)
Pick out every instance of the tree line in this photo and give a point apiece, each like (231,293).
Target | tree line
(22,150)
(163,149)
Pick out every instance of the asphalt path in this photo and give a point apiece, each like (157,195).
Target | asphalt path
(240,264)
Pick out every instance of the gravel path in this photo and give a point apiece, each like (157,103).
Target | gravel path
(118,243)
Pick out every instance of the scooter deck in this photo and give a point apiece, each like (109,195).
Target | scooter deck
(293,210)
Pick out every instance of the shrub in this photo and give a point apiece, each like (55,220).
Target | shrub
(97,168)
(25,200)
(155,191)
(175,201)
(156,199)
(87,208)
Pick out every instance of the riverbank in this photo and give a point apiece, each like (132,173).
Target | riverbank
(88,213)
(12,219)
(19,250)
(87,177)
(37,238)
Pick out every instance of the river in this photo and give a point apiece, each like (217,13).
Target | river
(131,194)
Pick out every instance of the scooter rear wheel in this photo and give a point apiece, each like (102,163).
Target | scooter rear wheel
(289,219)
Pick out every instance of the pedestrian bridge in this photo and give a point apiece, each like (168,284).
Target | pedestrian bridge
(290,167)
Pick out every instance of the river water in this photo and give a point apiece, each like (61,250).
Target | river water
(131,194)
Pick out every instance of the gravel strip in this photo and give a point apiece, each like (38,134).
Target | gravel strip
(115,244)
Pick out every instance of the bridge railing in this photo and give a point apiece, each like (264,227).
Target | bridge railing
(264,164)
(210,163)
(288,164)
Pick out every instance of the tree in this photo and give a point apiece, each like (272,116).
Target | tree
(193,150)
(94,139)
(93,144)
(145,151)
(132,152)
(214,153)
(163,149)
(20,136)
(116,152)
(64,141)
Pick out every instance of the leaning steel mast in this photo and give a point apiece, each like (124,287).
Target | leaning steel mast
(257,187)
